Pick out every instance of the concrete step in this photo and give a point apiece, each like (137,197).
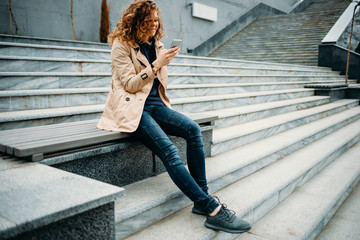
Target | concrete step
(52,41)
(345,223)
(56,80)
(281,54)
(208,103)
(243,114)
(230,137)
(44,64)
(305,213)
(259,69)
(279,38)
(15,100)
(16,119)
(39,117)
(251,197)
(264,48)
(288,38)
(279,58)
(39,50)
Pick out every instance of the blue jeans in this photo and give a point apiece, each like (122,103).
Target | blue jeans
(158,121)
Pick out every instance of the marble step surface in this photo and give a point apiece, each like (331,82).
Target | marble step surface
(251,197)
(305,213)
(39,50)
(281,55)
(16,100)
(345,223)
(15,119)
(45,64)
(269,57)
(264,51)
(52,41)
(242,114)
(275,43)
(300,44)
(286,36)
(234,136)
(143,205)
(296,60)
(244,63)
(292,32)
(207,103)
(22,49)
(55,80)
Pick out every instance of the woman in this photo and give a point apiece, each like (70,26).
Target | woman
(137,103)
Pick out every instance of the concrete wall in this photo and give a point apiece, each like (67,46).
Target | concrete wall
(51,18)
(344,40)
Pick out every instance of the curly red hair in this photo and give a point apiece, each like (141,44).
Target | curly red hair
(132,27)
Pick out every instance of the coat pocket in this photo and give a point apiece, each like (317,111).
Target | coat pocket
(127,110)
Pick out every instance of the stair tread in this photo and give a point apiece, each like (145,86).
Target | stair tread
(49,112)
(63,111)
(75,60)
(85,74)
(51,91)
(223,113)
(303,30)
(256,188)
(235,95)
(43,46)
(142,195)
(305,209)
(230,132)
(345,223)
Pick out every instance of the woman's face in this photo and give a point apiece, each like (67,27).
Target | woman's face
(153,23)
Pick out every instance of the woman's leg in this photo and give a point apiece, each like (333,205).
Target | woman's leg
(177,124)
(153,136)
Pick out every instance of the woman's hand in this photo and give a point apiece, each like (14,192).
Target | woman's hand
(165,57)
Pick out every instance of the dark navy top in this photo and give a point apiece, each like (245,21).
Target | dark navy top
(150,53)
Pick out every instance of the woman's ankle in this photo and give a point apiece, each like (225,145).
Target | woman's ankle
(215,211)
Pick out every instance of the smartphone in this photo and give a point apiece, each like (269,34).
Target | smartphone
(176,43)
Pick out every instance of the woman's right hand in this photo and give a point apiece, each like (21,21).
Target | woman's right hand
(165,57)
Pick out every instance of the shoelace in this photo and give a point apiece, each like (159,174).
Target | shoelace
(227,214)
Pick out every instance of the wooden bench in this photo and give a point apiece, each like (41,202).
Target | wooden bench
(34,143)
(79,147)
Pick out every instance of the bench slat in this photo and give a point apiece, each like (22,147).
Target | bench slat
(65,143)
(18,132)
(49,133)
(6,145)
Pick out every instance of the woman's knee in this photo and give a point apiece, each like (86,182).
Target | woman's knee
(171,155)
(195,133)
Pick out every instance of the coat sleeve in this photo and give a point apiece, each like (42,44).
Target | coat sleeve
(123,65)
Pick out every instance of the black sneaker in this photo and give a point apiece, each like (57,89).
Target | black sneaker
(226,220)
(198,210)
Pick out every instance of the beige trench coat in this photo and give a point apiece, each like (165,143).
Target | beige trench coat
(132,79)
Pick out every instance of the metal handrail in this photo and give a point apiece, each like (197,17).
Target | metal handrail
(348,56)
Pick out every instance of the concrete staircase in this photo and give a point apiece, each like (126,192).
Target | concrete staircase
(273,137)
(292,38)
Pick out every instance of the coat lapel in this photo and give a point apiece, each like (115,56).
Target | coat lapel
(139,55)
